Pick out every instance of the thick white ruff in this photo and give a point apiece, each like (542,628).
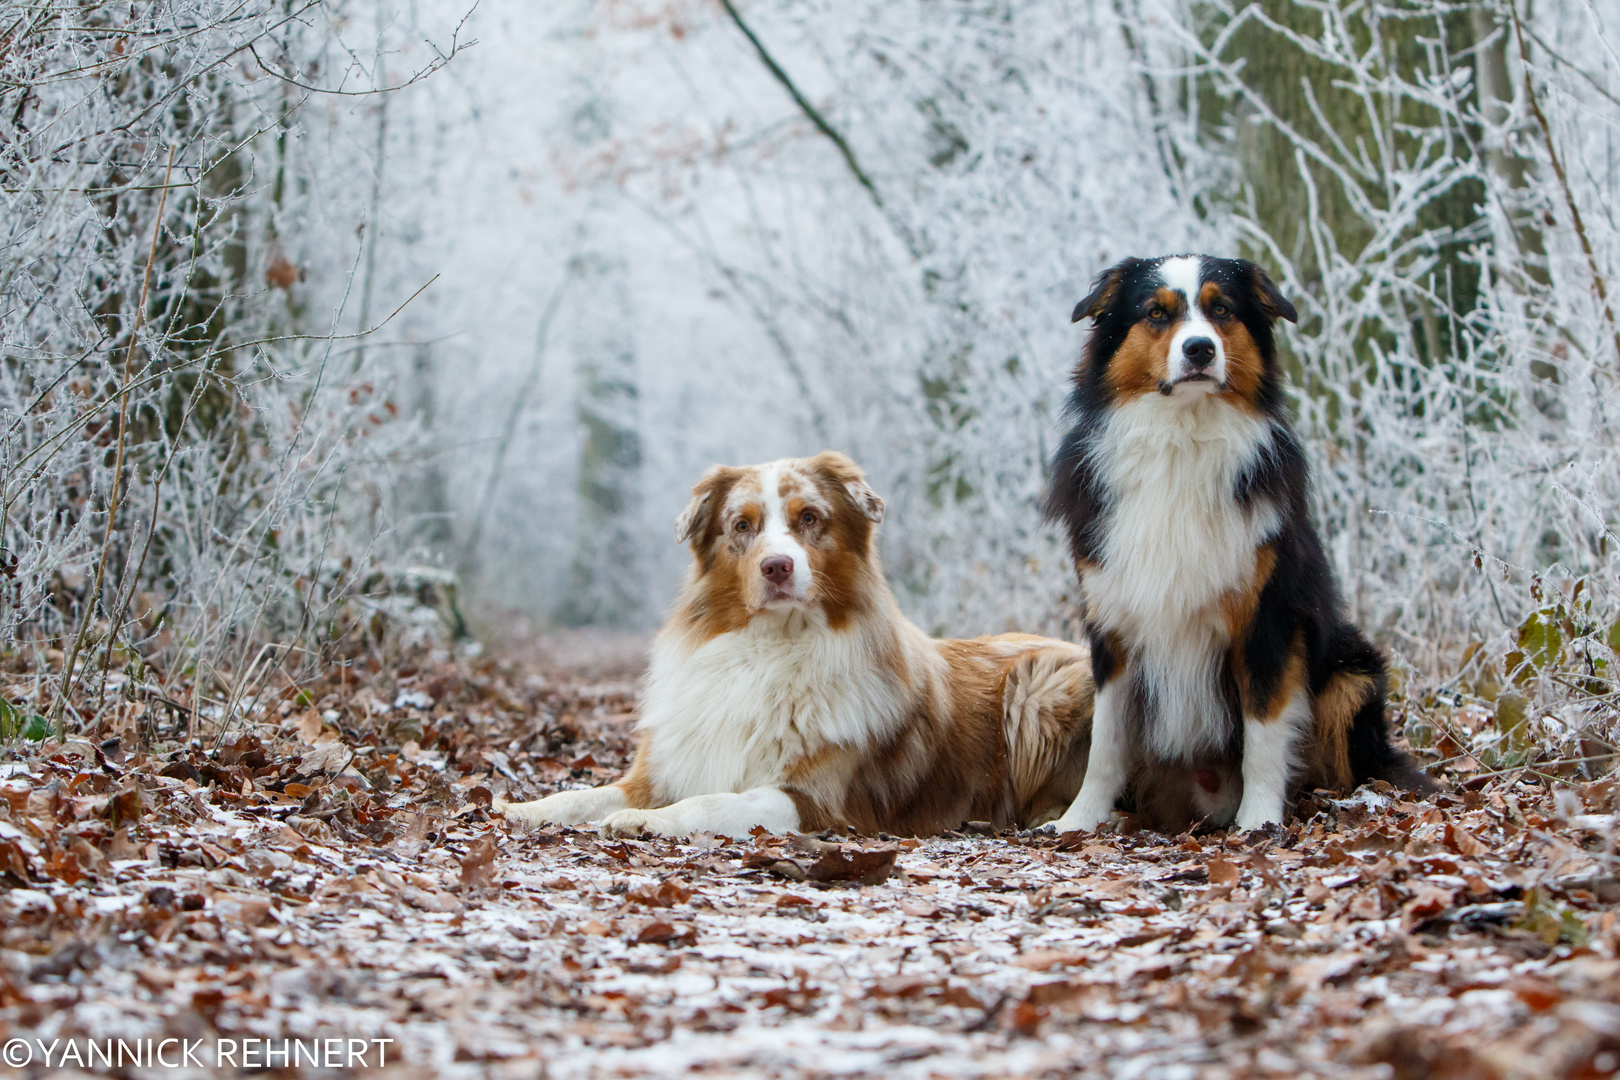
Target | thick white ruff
(736,712)
(1176,541)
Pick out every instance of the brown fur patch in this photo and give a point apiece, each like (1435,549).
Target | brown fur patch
(1335,711)
(1243,364)
(714,603)
(840,558)
(1141,362)
(1046,702)
(637,784)
(1166,793)
(999,732)
(1238,607)
(813,817)
(1294,678)
(702,519)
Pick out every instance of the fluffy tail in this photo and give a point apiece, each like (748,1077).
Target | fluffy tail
(1350,716)
(1046,706)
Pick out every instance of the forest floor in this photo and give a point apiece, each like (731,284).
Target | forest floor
(331,870)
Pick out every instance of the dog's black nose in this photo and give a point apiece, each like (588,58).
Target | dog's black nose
(1199,351)
(777,569)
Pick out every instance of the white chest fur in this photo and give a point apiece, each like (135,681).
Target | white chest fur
(1176,541)
(743,707)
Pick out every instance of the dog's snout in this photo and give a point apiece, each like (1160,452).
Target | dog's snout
(1199,351)
(777,569)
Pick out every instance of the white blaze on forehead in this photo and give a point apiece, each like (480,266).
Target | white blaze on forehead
(776,535)
(1184,274)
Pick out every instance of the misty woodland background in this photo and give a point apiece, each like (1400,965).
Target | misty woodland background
(312,309)
(327,318)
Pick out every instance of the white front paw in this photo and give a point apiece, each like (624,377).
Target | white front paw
(1083,821)
(633,823)
(563,808)
(1251,817)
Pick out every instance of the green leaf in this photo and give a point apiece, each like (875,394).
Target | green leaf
(1541,639)
(14,722)
(1549,920)
(1513,719)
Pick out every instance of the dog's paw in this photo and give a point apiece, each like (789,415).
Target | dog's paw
(564,808)
(634,823)
(1262,828)
(1252,819)
(1085,815)
(1077,823)
(526,813)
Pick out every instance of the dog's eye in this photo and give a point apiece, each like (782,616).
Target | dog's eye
(1156,313)
(741,526)
(809,518)
(1220,310)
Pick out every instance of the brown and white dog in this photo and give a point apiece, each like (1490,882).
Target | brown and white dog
(787,690)
(1219,645)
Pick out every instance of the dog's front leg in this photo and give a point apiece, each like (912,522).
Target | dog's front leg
(1269,752)
(567,807)
(733,814)
(1108,764)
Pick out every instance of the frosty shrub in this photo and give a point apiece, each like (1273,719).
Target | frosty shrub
(194,462)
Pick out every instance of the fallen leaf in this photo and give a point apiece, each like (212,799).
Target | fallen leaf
(478,865)
(1367,904)
(866,867)
(663,933)
(1463,842)
(1047,959)
(665,894)
(1427,902)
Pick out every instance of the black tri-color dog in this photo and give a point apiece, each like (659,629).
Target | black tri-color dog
(1227,677)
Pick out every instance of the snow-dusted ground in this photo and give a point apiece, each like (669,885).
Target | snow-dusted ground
(326,876)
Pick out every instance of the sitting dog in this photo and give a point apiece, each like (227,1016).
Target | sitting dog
(788,692)
(1217,644)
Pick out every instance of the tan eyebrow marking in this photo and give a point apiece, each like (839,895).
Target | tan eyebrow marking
(1169,299)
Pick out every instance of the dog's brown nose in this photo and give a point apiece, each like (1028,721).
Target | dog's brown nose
(777,569)
(1200,352)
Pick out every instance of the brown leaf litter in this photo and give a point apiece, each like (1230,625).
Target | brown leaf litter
(329,868)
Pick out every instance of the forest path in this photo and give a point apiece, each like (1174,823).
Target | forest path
(332,871)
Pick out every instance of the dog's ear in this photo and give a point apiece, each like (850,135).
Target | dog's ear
(707,496)
(842,470)
(1272,301)
(1104,290)
(694,520)
(866,500)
